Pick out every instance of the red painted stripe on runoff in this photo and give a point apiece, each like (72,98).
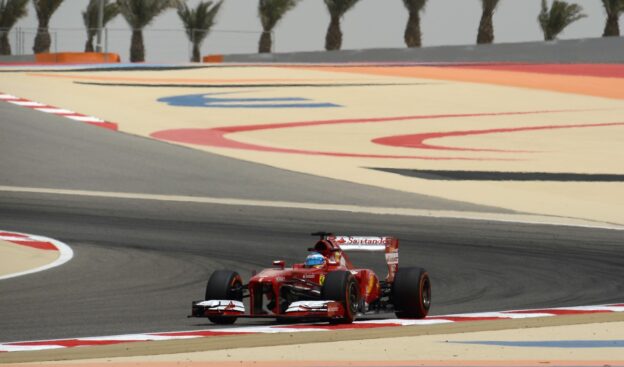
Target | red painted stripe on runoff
(41,107)
(39,245)
(28,241)
(76,342)
(216,137)
(418,141)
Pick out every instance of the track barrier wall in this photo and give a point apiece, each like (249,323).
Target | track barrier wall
(77,58)
(590,50)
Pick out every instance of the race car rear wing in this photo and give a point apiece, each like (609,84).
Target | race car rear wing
(389,245)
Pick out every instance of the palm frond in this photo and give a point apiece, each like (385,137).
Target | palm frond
(271,11)
(415,5)
(140,13)
(45,9)
(91,14)
(560,16)
(198,21)
(11,11)
(338,8)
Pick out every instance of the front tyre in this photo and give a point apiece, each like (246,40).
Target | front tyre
(224,285)
(342,287)
(411,293)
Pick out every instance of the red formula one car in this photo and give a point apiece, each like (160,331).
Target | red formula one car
(326,287)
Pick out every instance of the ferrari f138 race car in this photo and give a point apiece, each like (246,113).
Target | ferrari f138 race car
(325,287)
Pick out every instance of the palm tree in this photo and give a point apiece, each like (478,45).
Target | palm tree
(10,12)
(139,14)
(198,22)
(412,29)
(560,15)
(44,9)
(270,13)
(90,18)
(486,27)
(613,8)
(336,8)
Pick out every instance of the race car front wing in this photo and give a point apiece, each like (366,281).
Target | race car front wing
(298,309)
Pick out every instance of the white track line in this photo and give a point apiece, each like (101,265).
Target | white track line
(28,103)
(65,253)
(447,214)
(84,118)
(58,111)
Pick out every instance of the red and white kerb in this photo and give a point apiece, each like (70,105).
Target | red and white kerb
(41,107)
(369,324)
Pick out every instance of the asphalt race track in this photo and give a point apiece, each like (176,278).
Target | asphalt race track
(139,263)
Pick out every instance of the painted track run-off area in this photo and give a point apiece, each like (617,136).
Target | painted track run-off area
(23,254)
(558,125)
(468,151)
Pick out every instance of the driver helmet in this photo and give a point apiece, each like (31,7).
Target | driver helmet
(315,260)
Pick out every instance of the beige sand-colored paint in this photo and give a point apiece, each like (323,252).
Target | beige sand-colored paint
(16,258)
(595,150)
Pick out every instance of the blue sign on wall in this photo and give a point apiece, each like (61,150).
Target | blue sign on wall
(210,100)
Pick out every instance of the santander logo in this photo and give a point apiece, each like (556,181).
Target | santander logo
(362,241)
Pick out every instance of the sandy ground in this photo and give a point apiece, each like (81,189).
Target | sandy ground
(414,102)
(430,347)
(16,258)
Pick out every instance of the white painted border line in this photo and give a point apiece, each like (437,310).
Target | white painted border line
(409,212)
(297,328)
(65,253)
(25,103)
(42,107)
(54,110)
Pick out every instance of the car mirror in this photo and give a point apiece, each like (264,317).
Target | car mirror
(279,263)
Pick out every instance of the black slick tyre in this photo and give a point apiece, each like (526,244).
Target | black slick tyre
(342,287)
(224,285)
(411,293)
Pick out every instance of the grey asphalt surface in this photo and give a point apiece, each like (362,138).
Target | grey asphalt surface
(138,264)
(43,150)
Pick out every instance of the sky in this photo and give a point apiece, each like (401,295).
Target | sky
(370,24)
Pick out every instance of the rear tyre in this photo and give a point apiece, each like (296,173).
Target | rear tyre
(342,287)
(224,285)
(411,293)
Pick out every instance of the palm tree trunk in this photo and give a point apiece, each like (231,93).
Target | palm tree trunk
(486,28)
(89,45)
(266,42)
(612,27)
(42,41)
(333,40)
(137,49)
(5,45)
(196,54)
(412,30)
